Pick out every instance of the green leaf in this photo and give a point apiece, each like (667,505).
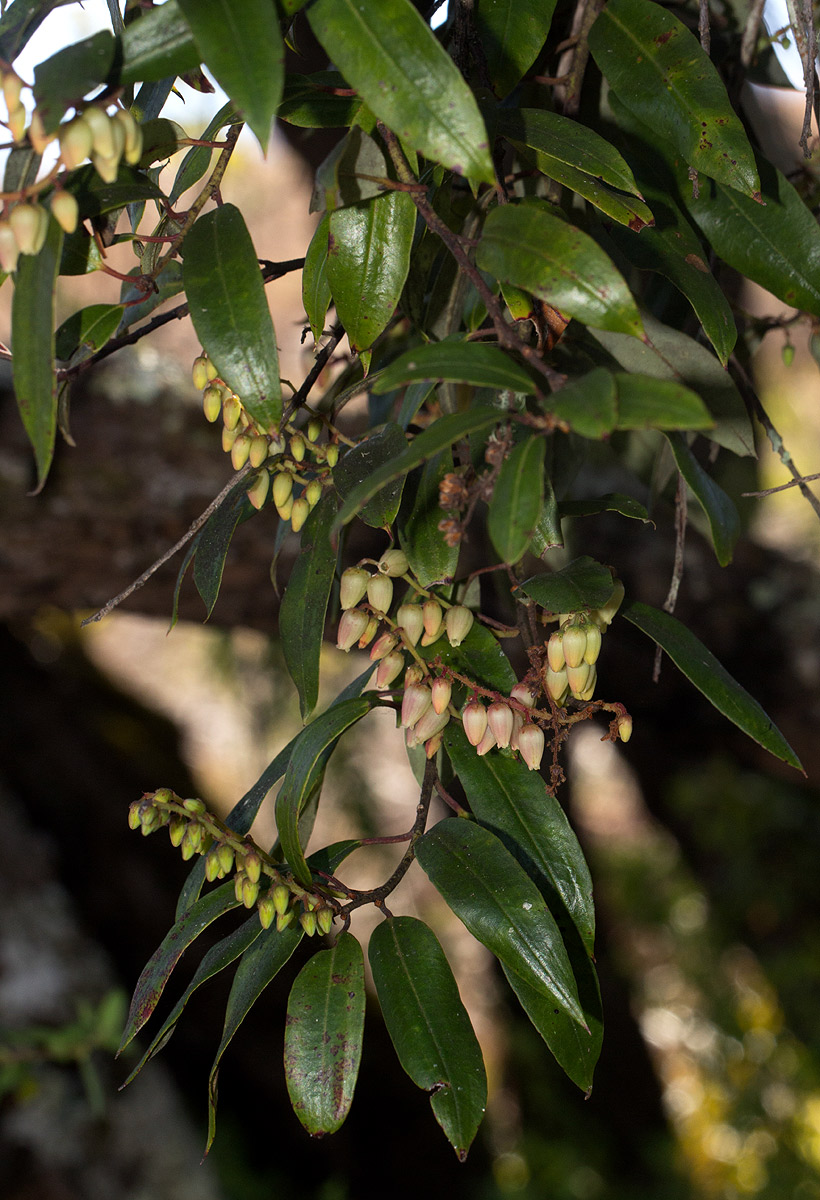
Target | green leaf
(368,258)
(307,104)
(702,669)
(261,963)
(514,804)
(580,159)
(352,172)
(81,254)
(500,905)
(230,311)
(461,362)
(88,328)
(658,70)
(645,402)
(429,1025)
(158,969)
(389,55)
(582,584)
(528,246)
(588,405)
(19,23)
(242,46)
(168,284)
(777,244)
(307,760)
(611,502)
(479,657)
(516,501)
(213,543)
(512,33)
(156,45)
(315,287)
(197,160)
(441,435)
(32,339)
(724,522)
(359,465)
(431,559)
(304,604)
(323,1036)
(94,196)
(65,78)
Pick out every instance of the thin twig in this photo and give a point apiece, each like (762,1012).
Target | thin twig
(703,26)
(781,487)
(574,62)
(748,43)
(681,514)
(322,359)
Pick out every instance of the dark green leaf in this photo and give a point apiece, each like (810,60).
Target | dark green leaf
(702,669)
(479,657)
(89,327)
(32,339)
(94,196)
(440,436)
(22,166)
(156,45)
(389,55)
(168,283)
(645,402)
(431,559)
(260,964)
(547,533)
(582,584)
(81,254)
(315,287)
(230,311)
(611,502)
(461,362)
(242,46)
(500,905)
(358,467)
(368,258)
(307,103)
(414,397)
(197,160)
(64,79)
(20,21)
(323,1036)
(353,171)
(588,405)
(516,501)
(158,969)
(304,604)
(429,1025)
(213,543)
(526,245)
(721,513)
(512,33)
(658,70)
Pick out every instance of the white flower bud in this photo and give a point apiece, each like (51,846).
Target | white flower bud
(500,720)
(380,592)
(390,667)
(474,719)
(393,563)
(531,746)
(574,643)
(353,583)
(458,622)
(417,699)
(410,620)
(351,627)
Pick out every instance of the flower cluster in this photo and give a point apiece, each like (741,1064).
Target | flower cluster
(257,881)
(572,651)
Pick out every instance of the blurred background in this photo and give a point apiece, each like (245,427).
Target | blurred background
(703,850)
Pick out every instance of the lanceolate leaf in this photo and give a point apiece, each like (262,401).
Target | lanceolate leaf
(479,656)
(323,1036)
(512,33)
(20,21)
(358,466)
(531,248)
(213,544)
(589,404)
(659,71)
(389,55)
(242,46)
(721,513)
(702,669)
(611,502)
(88,328)
(159,44)
(32,339)
(516,501)
(582,584)
(501,907)
(431,559)
(461,362)
(429,1025)
(315,287)
(94,196)
(647,403)
(196,161)
(230,311)
(368,259)
(70,74)
(304,604)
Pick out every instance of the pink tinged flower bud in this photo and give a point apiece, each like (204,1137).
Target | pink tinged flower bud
(433,616)
(106,168)
(9,250)
(613,603)
(500,719)
(240,451)
(299,513)
(351,627)
(258,491)
(266,911)
(531,746)
(12,88)
(414,674)
(282,493)
(132,150)
(37,133)
(102,133)
(353,583)
(231,410)
(65,210)
(429,725)
(578,679)
(625,727)
(574,642)
(369,633)
(555,652)
(383,645)
(441,690)
(390,667)
(458,622)
(380,592)
(518,725)
(486,743)
(557,685)
(523,693)
(393,563)
(593,646)
(415,702)
(474,719)
(76,140)
(410,620)
(30,225)
(212,403)
(259,451)
(433,745)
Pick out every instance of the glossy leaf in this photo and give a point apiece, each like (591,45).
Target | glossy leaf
(724,522)
(81,254)
(32,339)
(315,287)
(88,328)
(359,465)
(242,46)
(440,436)
(658,69)
(645,402)
(389,55)
(429,1026)
(95,197)
(777,244)
(512,33)
(368,258)
(158,969)
(702,669)
(197,160)
(323,1036)
(260,964)
(582,584)
(230,311)
(461,362)
(352,172)
(168,284)
(431,559)
(611,502)
(213,544)
(528,246)
(589,404)
(74,71)
(304,604)
(500,905)
(479,657)
(306,761)
(308,104)
(20,21)
(516,501)
(158,44)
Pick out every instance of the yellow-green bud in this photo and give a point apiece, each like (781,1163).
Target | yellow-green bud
(324,919)
(332,455)
(199,373)
(299,513)
(266,911)
(229,436)
(191,841)
(297,447)
(283,489)
(250,892)
(37,134)
(369,633)
(353,586)
(30,225)
(555,652)
(557,685)
(313,493)
(259,450)
(393,563)
(103,137)
(76,142)
(410,620)
(238,885)
(231,408)
(252,865)
(283,920)
(593,646)
(574,643)
(578,678)
(380,592)
(285,509)
(132,150)
(281,899)
(787,353)
(625,727)
(612,605)
(314,429)
(9,249)
(12,89)
(106,168)
(592,679)
(458,622)
(212,867)
(176,829)
(65,210)
(307,920)
(192,805)
(226,857)
(17,122)
(258,491)
(134,820)
(240,451)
